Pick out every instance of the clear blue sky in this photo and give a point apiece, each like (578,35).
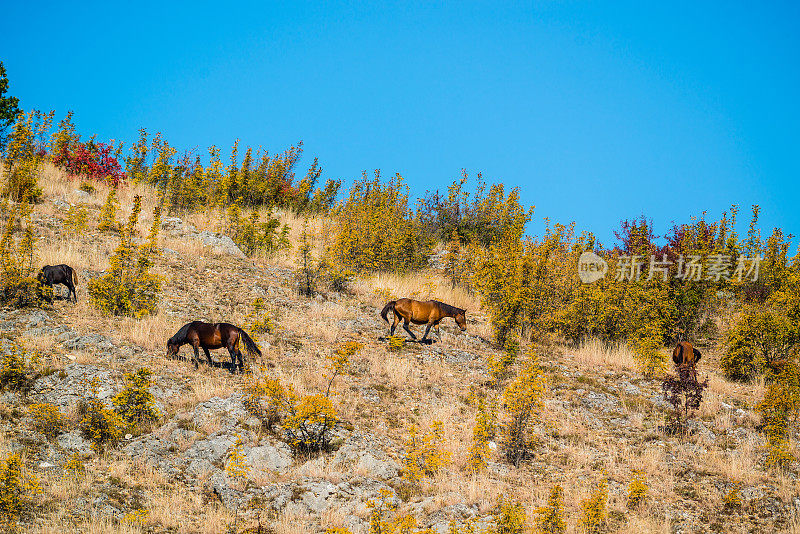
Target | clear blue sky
(598,111)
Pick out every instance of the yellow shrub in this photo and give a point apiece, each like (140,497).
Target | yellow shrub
(637,490)
(307,421)
(778,409)
(594,510)
(510,518)
(129,288)
(732,500)
(17,489)
(74,467)
(18,369)
(551,517)
(47,419)
(479,451)
(377,230)
(236,468)
(18,287)
(135,404)
(108,215)
(101,426)
(77,219)
(424,454)
(396,343)
(523,399)
(647,351)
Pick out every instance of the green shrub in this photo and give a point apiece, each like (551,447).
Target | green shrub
(253,235)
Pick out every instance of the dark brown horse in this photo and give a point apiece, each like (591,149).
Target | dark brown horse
(212,336)
(429,313)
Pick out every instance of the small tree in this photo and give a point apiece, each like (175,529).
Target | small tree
(307,275)
(9,107)
(779,408)
(135,404)
(523,399)
(108,215)
(339,361)
(17,489)
(479,451)
(594,518)
(510,518)
(551,517)
(129,288)
(424,454)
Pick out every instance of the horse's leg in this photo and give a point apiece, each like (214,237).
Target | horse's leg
(425,335)
(72,295)
(232,351)
(405,325)
(208,357)
(438,332)
(396,320)
(196,347)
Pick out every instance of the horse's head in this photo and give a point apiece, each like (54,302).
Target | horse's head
(461,320)
(172,348)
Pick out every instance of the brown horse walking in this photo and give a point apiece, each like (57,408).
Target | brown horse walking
(429,313)
(212,336)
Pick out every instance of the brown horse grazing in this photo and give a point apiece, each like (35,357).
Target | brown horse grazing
(685,355)
(429,313)
(212,336)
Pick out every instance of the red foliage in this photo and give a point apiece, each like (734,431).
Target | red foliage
(93,160)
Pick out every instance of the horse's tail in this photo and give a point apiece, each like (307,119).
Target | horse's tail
(249,344)
(386,309)
(74,276)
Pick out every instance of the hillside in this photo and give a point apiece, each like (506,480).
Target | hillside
(601,417)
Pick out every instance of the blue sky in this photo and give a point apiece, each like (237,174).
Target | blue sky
(598,111)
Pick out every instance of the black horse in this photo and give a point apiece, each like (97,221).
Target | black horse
(212,336)
(59,274)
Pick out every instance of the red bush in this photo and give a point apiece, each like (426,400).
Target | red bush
(93,160)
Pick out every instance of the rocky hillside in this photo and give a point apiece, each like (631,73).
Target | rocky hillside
(601,418)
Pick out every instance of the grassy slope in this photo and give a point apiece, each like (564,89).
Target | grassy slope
(578,440)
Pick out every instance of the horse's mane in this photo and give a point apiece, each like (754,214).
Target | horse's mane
(180,335)
(449,309)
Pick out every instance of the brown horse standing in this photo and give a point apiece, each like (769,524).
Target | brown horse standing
(212,336)
(429,313)
(686,356)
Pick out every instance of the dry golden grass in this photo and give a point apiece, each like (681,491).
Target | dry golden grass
(596,353)
(377,289)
